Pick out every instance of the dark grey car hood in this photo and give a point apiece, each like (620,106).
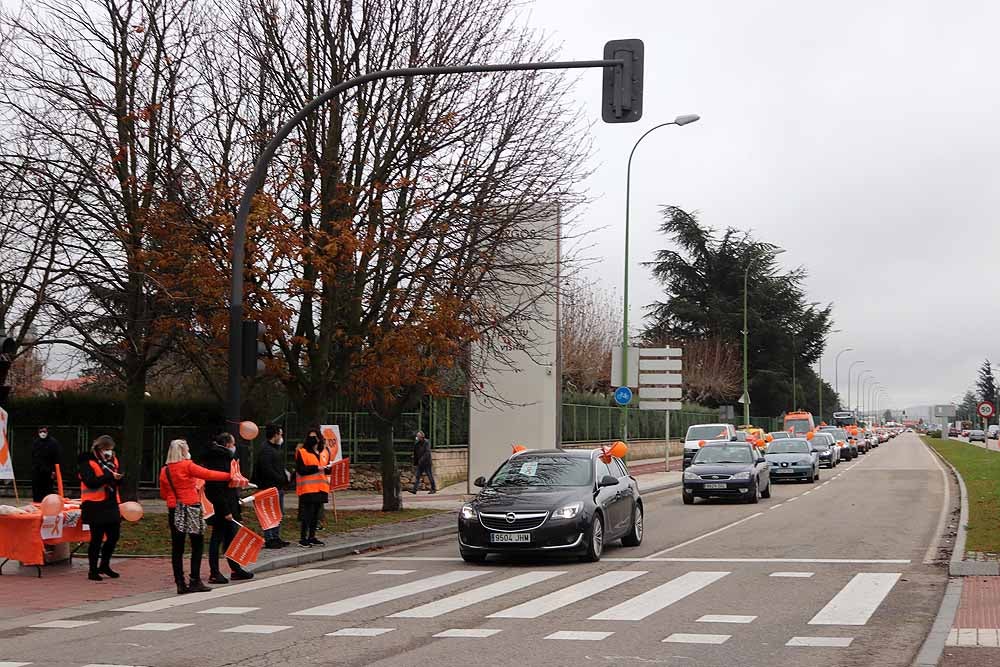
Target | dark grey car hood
(525,498)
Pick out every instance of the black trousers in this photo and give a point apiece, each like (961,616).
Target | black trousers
(223,532)
(42,485)
(108,533)
(177,540)
(309,513)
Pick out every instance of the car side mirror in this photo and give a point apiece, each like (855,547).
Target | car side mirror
(480,481)
(608,480)
(734,439)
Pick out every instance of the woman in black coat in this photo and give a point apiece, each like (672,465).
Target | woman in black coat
(226,503)
(100,478)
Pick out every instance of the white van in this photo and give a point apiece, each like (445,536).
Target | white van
(706,433)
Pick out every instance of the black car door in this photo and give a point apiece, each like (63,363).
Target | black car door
(609,498)
(628,492)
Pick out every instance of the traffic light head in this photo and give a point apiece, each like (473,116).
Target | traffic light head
(622,90)
(254,348)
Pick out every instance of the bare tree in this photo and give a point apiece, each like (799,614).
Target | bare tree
(589,331)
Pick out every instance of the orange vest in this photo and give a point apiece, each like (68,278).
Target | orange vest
(316,482)
(99,494)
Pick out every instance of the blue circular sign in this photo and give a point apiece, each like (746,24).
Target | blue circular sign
(623,395)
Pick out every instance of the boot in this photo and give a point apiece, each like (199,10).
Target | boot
(196,586)
(94,576)
(217,578)
(182,588)
(240,575)
(106,570)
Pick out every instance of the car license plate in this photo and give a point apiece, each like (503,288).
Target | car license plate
(510,537)
(715,486)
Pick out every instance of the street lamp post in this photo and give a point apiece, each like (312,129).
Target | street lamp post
(836,374)
(773,252)
(857,395)
(680,121)
(849,369)
(870,398)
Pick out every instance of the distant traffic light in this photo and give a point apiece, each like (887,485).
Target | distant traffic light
(8,347)
(254,348)
(622,90)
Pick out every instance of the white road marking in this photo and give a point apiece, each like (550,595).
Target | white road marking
(968,637)
(17,664)
(952,638)
(359,632)
(823,642)
(655,599)
(94,664)
(195,598)
(476,595)
(257,629)
(388,594)
(931,555)
(438,559)
(793,575)
(229,610)
(989,637)
(725,618)
(393,573)
(159,627)
(692,638)
(63,624)
(835,561)
(791,499)
(701,537)
(567,596)
(858,600)
(580,635)
(774,507)
(807,493)
(473,633)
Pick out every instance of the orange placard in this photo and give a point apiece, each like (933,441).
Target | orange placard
(340,475)
(267,508)
(206,505)
(245,547)
(237,480)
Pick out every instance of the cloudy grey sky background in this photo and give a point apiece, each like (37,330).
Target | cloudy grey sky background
(859,135)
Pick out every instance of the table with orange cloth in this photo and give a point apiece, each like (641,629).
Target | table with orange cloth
(21,537)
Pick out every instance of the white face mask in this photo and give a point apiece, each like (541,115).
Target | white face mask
(108,454)
(281,441)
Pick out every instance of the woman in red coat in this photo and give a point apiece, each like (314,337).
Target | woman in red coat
(179,487)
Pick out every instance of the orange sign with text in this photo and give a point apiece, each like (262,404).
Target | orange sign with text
(267,508)
(245,547)
(340,475)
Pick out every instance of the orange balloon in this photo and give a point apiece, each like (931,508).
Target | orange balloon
(131,511)
(619,449)
(701,443)
(769,438)
(518,448)
(810,435)
(52,505)
(248,430)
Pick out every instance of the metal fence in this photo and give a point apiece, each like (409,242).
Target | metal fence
(600,423)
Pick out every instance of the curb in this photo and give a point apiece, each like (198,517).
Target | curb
(353,548)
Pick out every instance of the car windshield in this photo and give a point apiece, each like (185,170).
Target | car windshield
(780,435)
(544,471)
(975,432)
(739,454)
(798,425)
(821,443)
(708,433)
(788,447)
(837,433)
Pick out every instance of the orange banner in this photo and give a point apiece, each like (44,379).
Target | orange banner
(267,508)
(208,510)
(340,475)
(245,547)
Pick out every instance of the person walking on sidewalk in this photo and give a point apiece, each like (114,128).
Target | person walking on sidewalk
(44,457)
(226,501)
(311,486)
(100,478)
(422,462)
(185,516)
(269,473)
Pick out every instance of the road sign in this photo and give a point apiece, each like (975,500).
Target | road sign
(985,409)
(623,395)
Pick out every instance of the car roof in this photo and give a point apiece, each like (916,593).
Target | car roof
(738,443)
(572,453)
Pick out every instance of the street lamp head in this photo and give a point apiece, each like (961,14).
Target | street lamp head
(686,119)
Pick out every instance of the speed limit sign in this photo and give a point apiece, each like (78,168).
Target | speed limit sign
(985,409)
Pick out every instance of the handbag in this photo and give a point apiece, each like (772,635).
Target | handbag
(187,518)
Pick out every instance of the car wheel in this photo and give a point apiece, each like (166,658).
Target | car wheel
(633,537)
(595,543)
(754,493)
(816,478)
(688,498)
(472,556)
(766,493)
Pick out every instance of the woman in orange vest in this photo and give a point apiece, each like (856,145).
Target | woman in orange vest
(312,486)
(99,480)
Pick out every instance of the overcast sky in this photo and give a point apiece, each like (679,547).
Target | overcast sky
(861,136)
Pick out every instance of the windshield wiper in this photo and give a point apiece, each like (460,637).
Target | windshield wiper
(732,462)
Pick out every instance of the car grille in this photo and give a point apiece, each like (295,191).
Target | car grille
(521,521)
(716,477)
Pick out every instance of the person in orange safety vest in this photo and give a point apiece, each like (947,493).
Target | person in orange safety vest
(100,477)
(312,485)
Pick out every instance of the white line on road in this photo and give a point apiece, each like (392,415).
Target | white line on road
(858,600)
(477,595)
(257,629)
(807,493)
(359,632)
(791,499)
(567,596)
(690,638)
(792,575)
(701,537)
(932,548)
(468,633)
(725,618)
(443,559)
(835,561)
(63,624)
(580,635)
(229,610)
(388,594)
(194,598)
(774,507)
(824,642)
(655,599)
(15,664)
(392,573)
(159,627)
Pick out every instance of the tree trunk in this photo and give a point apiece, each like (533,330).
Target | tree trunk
(130,451)
(392,500)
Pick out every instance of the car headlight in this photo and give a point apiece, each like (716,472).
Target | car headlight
(468,512)
(691,475)
(742,475)
(567,512)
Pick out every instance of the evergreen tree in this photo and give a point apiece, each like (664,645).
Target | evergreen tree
(986,385)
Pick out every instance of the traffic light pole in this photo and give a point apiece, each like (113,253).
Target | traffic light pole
(256,181)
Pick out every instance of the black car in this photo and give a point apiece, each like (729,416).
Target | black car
(552,501)
(727,470)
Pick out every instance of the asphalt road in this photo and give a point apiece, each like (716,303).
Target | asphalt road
(841,562)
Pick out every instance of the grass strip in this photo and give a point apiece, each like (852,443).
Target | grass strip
(981,471)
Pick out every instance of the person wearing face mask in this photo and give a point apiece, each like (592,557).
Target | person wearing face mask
(184,512)
(269,473)
(311,486)
(422,462)
(100,478)
(44,457)
(226,501)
